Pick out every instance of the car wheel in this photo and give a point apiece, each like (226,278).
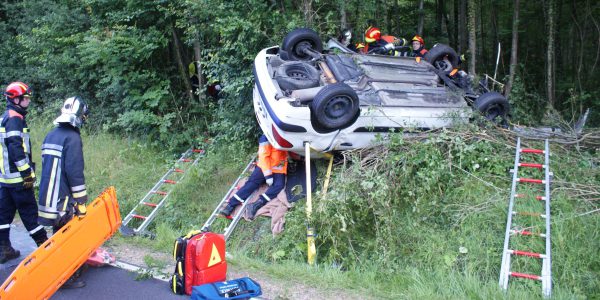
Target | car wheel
(296,41)
(297,75)
(335,106)
(493,106)
(442,57)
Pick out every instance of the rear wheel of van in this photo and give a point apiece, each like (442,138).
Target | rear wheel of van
(493,106)
(297,41)
(335,106)
(443,57)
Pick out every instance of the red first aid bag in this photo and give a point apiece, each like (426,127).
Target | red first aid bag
(200,259)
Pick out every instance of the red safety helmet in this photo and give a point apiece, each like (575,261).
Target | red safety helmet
(17,89)
(372,34)
(419,39)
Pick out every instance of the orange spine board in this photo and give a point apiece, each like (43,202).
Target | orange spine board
(44,271)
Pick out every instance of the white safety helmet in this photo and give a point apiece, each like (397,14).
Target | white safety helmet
(74,111)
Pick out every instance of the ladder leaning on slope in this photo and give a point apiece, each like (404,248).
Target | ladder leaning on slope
(240,212)
(146,210)
(507,253)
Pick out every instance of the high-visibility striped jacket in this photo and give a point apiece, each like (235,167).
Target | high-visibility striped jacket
(271,160)
(62,176)
(16,148)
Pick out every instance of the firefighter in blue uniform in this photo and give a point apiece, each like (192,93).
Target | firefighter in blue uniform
(62,184)
(16,171)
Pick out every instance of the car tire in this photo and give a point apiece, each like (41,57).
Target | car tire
(335,106)
(435,56)
(493,106)
(297,75)
(296,40)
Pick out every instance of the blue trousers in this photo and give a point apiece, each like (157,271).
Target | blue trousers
(254,182)
(23,200)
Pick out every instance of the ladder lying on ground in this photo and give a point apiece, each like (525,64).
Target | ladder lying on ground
(145,211)
(505,271)
(236,218)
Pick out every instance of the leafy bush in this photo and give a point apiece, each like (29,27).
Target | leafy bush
(435,206)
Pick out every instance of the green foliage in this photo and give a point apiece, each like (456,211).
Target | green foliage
(527,108)
(414,184)
(434,210)
(120,55)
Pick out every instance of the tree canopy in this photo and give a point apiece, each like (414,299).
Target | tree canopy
(129,58)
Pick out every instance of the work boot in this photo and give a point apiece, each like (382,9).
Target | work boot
(254,207)
(7,252)
(226,212)
(74,282)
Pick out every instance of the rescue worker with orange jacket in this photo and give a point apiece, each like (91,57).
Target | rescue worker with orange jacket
(17,175)
(418,46)
(271,168)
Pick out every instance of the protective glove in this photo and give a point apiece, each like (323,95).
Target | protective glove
(400,42)
(80,210)
(28,181)
(389,46)
(269,180)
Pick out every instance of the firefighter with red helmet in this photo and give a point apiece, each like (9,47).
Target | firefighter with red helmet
(271,169)
(418,46)
(373,40)
(63,193)
(17,175)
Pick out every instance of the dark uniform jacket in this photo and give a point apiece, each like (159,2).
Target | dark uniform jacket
(420,52)
(16,147)
(62,180)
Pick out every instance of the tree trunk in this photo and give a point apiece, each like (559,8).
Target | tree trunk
(439,16)
(456,42)
(449,29)
(308,12)
(462,26)
(577,48)
(421,18)
(481,50)
(550,53)
(513,50)
(181,65)
(472,36)
(343,15)
(197,59)
(494,28)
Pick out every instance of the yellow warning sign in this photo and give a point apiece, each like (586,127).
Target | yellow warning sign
(215,258)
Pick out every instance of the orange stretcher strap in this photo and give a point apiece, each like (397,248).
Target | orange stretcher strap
(44,271)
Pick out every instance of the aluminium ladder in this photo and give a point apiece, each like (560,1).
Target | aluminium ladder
(511,230)
(145,211)
(236,218)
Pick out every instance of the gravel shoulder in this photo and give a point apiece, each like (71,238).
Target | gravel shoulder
(161,265)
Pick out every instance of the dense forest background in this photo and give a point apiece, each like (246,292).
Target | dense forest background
(129,58)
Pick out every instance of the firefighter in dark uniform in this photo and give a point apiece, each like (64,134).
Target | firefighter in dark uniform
(16,171)
(418,46)
(62,185)
(271,169)
(373,40)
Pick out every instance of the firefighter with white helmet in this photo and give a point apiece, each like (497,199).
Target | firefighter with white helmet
(63,192)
